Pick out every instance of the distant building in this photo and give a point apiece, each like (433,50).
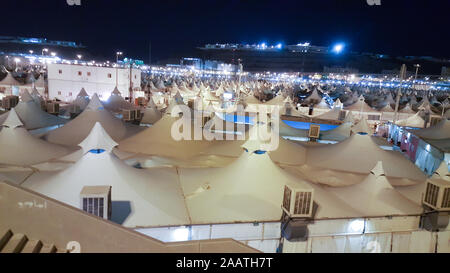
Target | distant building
(66,80)
(305,57)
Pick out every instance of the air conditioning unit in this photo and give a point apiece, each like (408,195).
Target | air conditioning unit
(9,102)
(342,115)
(96,200)
(437,195)
(314,131)
(137,114)
(53,108)
(128,115)
(298,203)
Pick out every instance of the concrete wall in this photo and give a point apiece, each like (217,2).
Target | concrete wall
(69,82)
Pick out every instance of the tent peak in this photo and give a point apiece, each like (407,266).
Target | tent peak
(98,138)
(95,103)
(12,121)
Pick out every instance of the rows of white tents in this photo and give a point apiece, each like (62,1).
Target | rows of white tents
(212,188)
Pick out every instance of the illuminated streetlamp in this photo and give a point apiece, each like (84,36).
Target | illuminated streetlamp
(79,56)
(117,66)
(44,50)
(417,70)
(53,54)
(31,51)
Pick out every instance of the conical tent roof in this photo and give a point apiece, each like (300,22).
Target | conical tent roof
(314,97)
(333,114)
(361,127)
(18,147)
(32,116)
(77,129)
(413,121)
(9,80)
(98,138)
(117,103)
(116,92)
(337,134)
(352,155)
(360,105)
(375,196)
(278,100)
(26,97)
(83,93)
(158,140)
(439,131)
(249,189)
(151,113)
(36,96)
(407,109)
(139,197)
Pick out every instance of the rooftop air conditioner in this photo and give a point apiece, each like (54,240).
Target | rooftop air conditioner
(314,131)
(9,102)
(96,200)
(437,195)
(53,108)
(128,115)
(298,203)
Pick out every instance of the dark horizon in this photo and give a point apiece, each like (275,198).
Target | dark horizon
(175,28)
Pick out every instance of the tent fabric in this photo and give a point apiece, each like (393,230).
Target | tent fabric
(413,121)
(352,155)
(151,113)
(157,140)
(439,131)
(18,147)
(249,189)
(139,197)
(98,138)
(77,129)
(375,196)
(32,116)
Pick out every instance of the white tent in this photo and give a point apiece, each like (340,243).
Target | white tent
(375,196)
(117,103)
(32,116)
(342,163)
(413,121)
(18,147)
(249,189)
(77,129)
(151,113)
(158,140)
(439,131)
(139,197)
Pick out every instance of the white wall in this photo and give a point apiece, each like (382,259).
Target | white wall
(382,235)
(69,82)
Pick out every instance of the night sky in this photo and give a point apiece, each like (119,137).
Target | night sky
(397,27)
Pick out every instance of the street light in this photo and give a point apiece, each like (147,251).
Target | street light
(44,50)
(117,65)
(417,70)
(31,51)
(79,56)
(53,54)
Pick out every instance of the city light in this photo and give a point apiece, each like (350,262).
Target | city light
(279,45)
(337,48)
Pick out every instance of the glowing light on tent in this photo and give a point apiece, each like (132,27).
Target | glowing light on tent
(357,225)
(181,234)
